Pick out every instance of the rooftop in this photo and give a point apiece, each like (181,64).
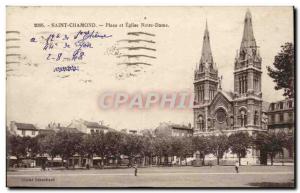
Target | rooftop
(94,125)
(69,129)
(25,126)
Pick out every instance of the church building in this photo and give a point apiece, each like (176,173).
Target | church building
(217,111)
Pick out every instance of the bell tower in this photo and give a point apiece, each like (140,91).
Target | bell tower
(247,80)
(206,73)
(205,84)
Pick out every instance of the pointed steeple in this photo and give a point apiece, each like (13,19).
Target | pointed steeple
(248,41)
(206,56)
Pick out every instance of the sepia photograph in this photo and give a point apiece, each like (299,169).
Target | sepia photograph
(150,97)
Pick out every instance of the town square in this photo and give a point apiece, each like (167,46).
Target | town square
(217,176)
(201,97)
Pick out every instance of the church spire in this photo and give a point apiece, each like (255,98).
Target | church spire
(206,56)
(248,41)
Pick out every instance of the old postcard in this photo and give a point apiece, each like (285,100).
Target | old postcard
(150,96)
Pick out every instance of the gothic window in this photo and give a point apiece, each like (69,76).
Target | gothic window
(243,118)
(201,93)
(243,84)
(255,83)
(221,115)
(209,123)
(213,123)
(255,118)
(211,92)
(240,85)
(254,52)
(200,123)
(231,121)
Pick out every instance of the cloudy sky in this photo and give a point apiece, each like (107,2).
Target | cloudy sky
(36,94)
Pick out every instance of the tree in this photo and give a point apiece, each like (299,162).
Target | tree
(148,146)
(31,146)
(289,143)
(113,142)
(97,144)
(157,149)
(239,143)
(272,143)
(187,148)
(163,147)
(132,146)
(87,147)
(68,144)
(201,144)
(218,146)
(283,74)
(16,147)
(22,147)
(177,147)
(48,144)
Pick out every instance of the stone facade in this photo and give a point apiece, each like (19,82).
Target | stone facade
(217,111)
(281,119)
(23,129)
(174,130)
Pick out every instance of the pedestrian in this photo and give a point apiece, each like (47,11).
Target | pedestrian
(135,169)
(237,166)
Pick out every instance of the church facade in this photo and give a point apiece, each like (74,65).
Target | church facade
(217,111)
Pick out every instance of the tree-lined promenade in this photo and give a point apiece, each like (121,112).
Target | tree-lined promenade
(141,149)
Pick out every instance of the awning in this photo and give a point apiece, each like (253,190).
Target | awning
(54,159)
(12,157)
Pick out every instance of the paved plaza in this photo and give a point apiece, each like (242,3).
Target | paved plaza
(216,176)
